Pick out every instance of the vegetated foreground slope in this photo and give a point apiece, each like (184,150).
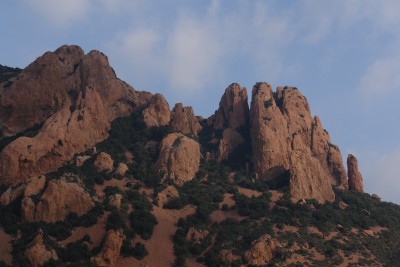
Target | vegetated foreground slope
(258,186)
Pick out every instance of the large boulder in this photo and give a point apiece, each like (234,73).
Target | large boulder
(104,162)
(58,200)
(72,99)
(261,251)
(355,177)
(166,195)
(184,121)
(110,249)
(158,113)
(37,253)
(179,158)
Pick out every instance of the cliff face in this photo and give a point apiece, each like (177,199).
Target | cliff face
(72,98)
(287,140)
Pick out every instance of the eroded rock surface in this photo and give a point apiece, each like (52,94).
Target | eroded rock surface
(110,249)
(103,162)
(158,113)
(37,253)
(261,251)
(179,158)
(355,177)
(166,195)
(184,121)
(59,199)
(72,98)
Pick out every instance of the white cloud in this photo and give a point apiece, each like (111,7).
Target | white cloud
(194,52)
(383,76)
(382,176)
(61,12)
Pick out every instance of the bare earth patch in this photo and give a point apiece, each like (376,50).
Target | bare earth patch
(5,247)
(249,192)
(113,182)
(160,245)
(96,232)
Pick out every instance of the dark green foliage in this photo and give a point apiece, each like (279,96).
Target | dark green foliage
(7,73)
(255,207)
(141,219)
(115,221)
(139,251)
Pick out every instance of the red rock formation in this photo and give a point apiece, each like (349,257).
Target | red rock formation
(355,177)
(37,253)
(261,251)
(158,113)
(269,134)
(230,140)
(110,249)
(103,162)
(58,200)
(183,120)
(74,96)
(166,195)
(179,158)
(286,139)
(233,111)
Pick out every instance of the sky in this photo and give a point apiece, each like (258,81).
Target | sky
(344,56)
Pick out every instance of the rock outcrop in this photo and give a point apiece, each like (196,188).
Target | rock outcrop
(287,140)
(269,134)
(115,200)
(355,177)
(110,249)
(231,139)
(184,121)
(233,111)
(35,186)
(179,158)
(11,194)
(307,179)
(104,162)
(196,235)
(158,113)
(72,98)
(37,253)
(122,168)
(59,199)
(166,195)
(261,251)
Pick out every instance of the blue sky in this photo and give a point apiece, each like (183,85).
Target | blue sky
(343,55)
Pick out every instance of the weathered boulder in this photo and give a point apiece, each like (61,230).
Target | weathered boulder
(196,235)
(122,168)
(115,200)
(269,134)
(355,177)
(37,253)
(179,158)
(11,194)
(60,199)
(183,120)
(261,251)
(35,186)
(231,139)
(28,209)
(103,162)
(166,195)
(233,111)
(228,256)
(110,249)
(158,113)
(71,99)
(80,160)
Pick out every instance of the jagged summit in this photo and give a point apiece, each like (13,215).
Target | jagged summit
(95,172)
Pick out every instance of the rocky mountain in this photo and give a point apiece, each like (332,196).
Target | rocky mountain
(95,173)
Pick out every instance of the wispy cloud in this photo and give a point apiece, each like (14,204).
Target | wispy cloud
(61,12)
